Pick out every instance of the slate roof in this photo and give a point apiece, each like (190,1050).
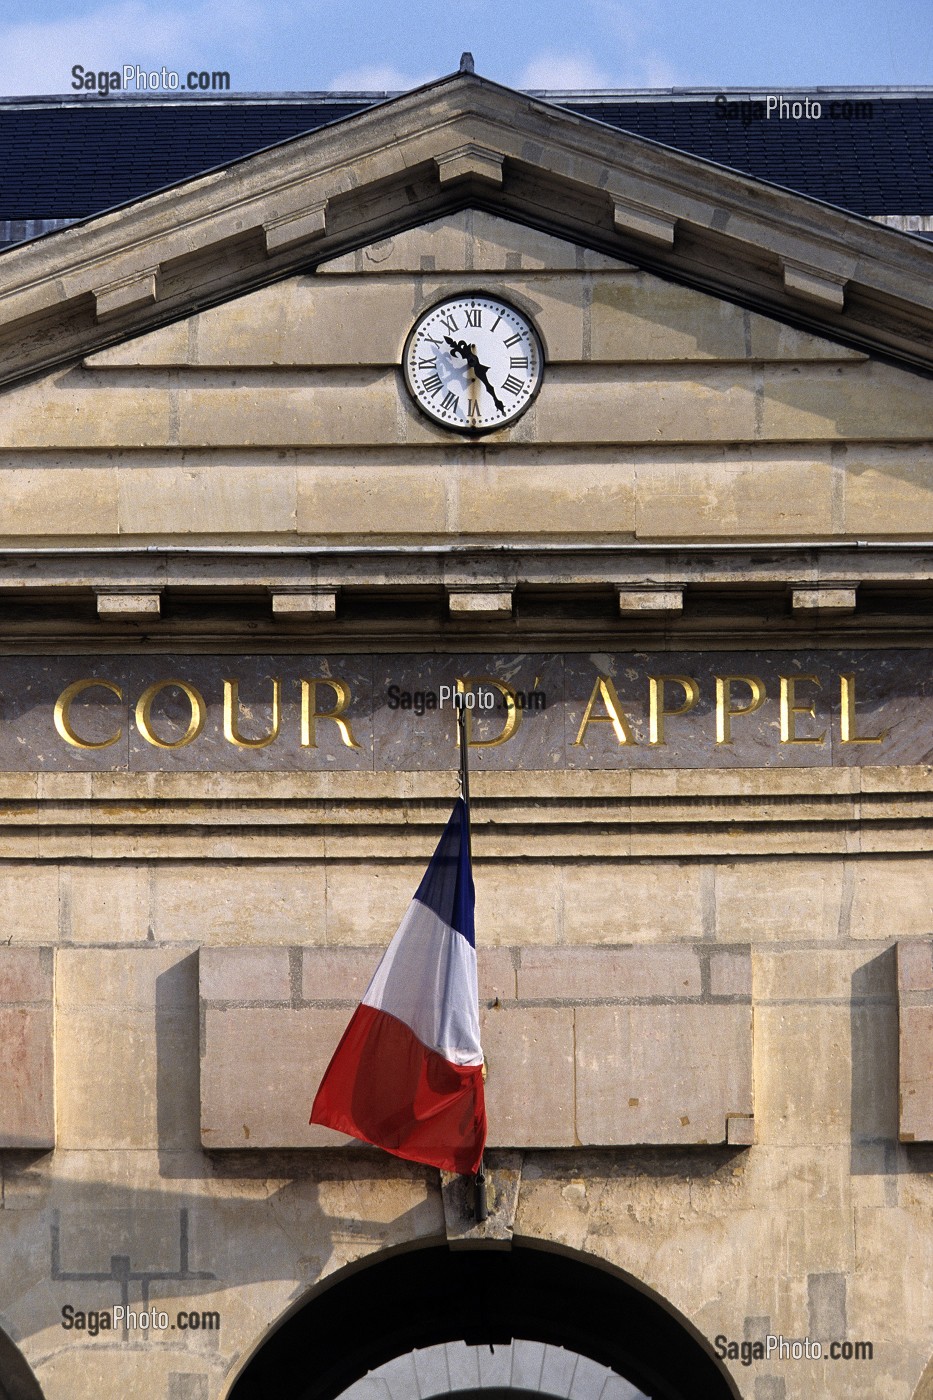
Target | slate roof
(68,159)
(877,164)
(65,158)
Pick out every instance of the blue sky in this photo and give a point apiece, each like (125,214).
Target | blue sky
(286,45)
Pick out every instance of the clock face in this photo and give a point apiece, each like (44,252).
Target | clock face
(473,363)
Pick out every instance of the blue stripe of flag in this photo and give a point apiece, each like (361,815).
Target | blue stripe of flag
(447,886)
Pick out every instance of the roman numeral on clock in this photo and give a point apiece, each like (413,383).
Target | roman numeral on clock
(472,364)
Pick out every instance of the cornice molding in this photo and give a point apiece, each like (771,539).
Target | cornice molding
(462,141)
(464,565)
(634,814)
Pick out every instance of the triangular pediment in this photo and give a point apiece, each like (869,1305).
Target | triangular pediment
(356,309)
(283,414)
(312,363)
(462,142)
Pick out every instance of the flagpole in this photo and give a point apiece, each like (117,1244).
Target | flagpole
(464,777)
(480,1207)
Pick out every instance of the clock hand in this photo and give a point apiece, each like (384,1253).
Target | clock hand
(480,372)
(460,347)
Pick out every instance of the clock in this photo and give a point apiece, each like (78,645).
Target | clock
(473,363)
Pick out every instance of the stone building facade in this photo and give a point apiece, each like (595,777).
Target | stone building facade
(694,581)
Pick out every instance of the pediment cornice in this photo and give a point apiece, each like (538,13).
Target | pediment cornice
(458,142)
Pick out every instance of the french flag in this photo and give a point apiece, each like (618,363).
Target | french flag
(408,1074)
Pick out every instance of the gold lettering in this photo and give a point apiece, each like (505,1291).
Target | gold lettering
(725,714)
(847,717)
(62,713)
(605,690)
(658,712)
(513,715)
(310,714)
(790,708)
(144,714)
(231,711)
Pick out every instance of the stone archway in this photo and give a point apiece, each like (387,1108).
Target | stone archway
(456,1371)
(17,1381)
(407,1303)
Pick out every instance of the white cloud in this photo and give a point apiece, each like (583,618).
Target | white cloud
(632,26)
(628,52)
(658,73)
(562,70)
(377,78)
(37,57)
(578,71)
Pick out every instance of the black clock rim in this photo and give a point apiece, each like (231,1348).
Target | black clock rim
(466,296)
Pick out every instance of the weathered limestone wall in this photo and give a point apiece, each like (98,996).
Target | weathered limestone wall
(818,872)
(600,1047)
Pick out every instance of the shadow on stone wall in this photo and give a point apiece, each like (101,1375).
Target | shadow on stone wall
(16,1379)
(874,1090)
